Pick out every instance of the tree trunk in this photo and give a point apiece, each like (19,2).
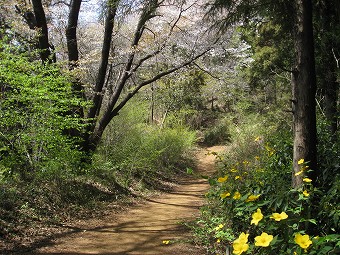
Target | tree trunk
(73,58)
(71,34)
(92,138)
(41,22)
(304,90)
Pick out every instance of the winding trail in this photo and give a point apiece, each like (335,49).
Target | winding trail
(143,228)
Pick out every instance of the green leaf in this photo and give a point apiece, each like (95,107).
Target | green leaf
(189,171)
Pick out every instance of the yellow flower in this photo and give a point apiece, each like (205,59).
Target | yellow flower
(305,193)
(222,179)
(246,162)
(279,216)
(263,240)
(239,248)
(225,194)
(252,198)
(257,158)
(233,170)
(257,139)
(218,240)
(301,161)
(237,195)
(306,180)
(237,177)
(302,240)
(257,216)
(271,151)
(240,244)
(298,173)
(243,238)
(166,241)
(219,227)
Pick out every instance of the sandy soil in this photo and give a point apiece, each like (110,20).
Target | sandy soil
(143,228)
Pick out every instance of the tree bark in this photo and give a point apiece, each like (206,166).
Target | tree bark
(304,90)
(71,34)
(41,26)
(92,138)
(73,58)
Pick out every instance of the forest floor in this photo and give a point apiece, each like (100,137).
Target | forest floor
(143,227)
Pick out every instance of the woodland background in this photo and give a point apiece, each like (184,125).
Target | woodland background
(101,99)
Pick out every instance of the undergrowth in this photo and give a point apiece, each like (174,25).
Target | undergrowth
(133,159)
(251,207)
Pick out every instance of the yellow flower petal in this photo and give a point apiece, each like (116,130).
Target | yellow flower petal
(252,198)
(222,179)
(166,241)
(263,240)
(239,248)
(279,216)
(240,244)
(305,193)
(243,238)
(298,173)
(306,180)
(301,161)
(302,240)
(258,138)
(256,217)
(219,227)
(237,195)
(225,194)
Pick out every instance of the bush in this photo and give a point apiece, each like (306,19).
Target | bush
(35,102)
(132,149)
(217,134)
(252,208)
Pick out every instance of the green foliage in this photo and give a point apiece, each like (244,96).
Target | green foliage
(256,175)
(179,100)
(217,133)
(35,101)
(133,150)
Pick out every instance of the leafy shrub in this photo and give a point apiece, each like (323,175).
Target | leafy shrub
(133,149)
(252,208)
(35,100)
(218,133)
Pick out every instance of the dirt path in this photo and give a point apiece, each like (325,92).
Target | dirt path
(142,229)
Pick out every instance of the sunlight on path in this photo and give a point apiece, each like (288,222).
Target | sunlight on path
(142,229)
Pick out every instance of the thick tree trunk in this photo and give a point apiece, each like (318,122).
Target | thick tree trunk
(73,58)
(72,49)
(93,137)
(41,26)
(304,90)
(71,34)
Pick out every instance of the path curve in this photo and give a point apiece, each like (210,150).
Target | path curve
(142,229)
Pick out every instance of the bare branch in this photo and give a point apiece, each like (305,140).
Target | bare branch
(155,78)
(206,71)
(336,59)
